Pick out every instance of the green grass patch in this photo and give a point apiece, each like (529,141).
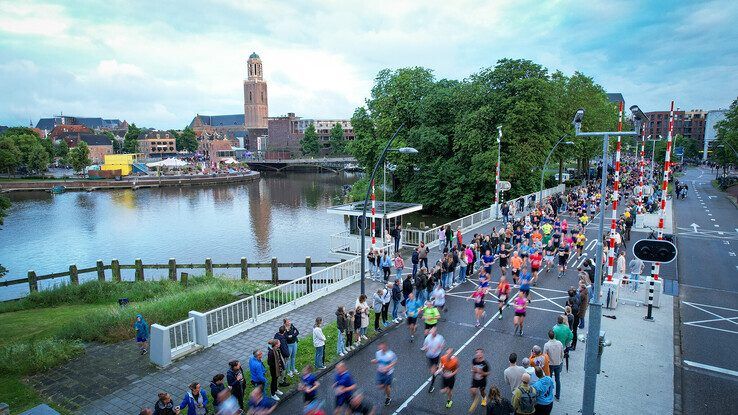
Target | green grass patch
(27,325)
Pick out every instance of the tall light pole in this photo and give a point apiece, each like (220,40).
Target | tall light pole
(543,171)
(592,353)
(403,150)
(497,172)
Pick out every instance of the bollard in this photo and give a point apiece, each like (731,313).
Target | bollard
(208,267)
(244,269)
(73,275)
(115,270)
(183,278)
(173,269)
(649,316)
(139,270)
(32,282)
(275,271)
(100,270)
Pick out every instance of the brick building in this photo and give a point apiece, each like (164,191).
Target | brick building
(99,144)
(47,125)
(61,130)
(255,99)
(157,144)
(285,132)
(688,124)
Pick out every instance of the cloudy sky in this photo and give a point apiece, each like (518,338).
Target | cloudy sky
(159,63)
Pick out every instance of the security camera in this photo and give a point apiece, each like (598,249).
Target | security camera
(578,117)
(638,115)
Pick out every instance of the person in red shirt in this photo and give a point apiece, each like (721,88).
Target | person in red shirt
(503,292)
(536,259)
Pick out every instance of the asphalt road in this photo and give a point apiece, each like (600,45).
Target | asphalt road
(495,337)
(707,238)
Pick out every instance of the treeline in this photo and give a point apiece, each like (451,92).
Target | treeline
(453,125)
(22,151)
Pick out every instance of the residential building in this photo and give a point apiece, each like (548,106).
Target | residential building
(99,144)
(285,132)
(157,144)
(46,125)
(658,124)
(713,117)
(218,150)
(255,99)
(63,129)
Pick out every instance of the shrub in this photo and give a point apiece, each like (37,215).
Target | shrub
(28,357)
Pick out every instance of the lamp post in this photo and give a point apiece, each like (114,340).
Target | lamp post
(497,172)
(402,150)
(543,171)
(592,353)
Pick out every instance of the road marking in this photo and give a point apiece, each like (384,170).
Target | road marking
(712,219)
(591,244)
(711,197)
(731,253)
(711,368)
(717,226)
(710,214)
(726,242)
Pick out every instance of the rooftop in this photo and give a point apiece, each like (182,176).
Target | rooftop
(392,209)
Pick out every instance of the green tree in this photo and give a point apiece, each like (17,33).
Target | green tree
(117,144)
(130,142)
(34,157)
(187,140)
(79,156)
(310,144)
(724,148)
(61,149)
(10,155)
(337,142)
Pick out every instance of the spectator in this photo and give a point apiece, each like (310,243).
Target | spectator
(216,387)
(524,397)
(544,387)
(234,377)
(514,373)
(396,300)
(257,369)
(530,370)
(276,365)
(363,312)
(539,359)
(350,330)
(142,333)
(357,326)
(341,326)
(397,235)
(415,260)
(496,404)
(146,411)
(319,343)
(165,405)
(423,255)
(386,266)
(195,400)
(377,305)
(399,265)
(554,349)
(386,299)
(562,332)
(284,350)
(291,335)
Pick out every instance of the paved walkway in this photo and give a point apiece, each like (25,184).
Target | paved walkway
(115,379)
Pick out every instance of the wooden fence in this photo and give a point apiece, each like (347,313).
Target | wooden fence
(172,266)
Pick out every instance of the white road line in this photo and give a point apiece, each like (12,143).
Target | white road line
(717,226)
(712,219)
(711,313)
(711,328)
(711,368)
(710,214)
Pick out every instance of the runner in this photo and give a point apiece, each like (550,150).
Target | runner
(308,384)
(520,303)
(438,296)
(385,360)
(480,371)
(478,297)
(535,264)
(580,239)
(516,263)
(343,387)
(413,307)
(449,368)
(503,257)
(433,346)
(503,291)
(549,251)
(487,260)
(430,316)
(563,254)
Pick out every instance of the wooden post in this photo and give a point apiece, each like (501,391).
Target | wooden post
(244,269)
(183,277)
(275,271)
(73,275)
(100,270)
(308,271)
(32,283)
(208,267)
(173,270)
(139,269)
(115,270)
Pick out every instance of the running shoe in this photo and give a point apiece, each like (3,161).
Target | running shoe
(484,401)
(432,388)
(280,393)
(499,317)
(449,403)
(387,401)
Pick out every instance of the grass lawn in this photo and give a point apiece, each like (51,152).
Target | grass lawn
(25,325)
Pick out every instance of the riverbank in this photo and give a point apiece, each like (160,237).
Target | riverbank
(134,183)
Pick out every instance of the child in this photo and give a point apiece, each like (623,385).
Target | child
(350,331)
(357,325)
(142,333)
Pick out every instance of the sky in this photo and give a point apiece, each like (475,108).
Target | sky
(160,63)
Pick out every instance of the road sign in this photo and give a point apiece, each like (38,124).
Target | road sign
(654,250)
(678,151)
(504,186)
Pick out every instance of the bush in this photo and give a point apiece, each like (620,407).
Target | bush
(29,357)
(725,182)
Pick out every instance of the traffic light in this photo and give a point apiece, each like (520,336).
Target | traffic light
(360,223)
(654,250)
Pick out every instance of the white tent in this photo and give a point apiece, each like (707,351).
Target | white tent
(229,160)
(170,162)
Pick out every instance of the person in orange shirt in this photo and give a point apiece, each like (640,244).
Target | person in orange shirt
(449,368)
(536,237)
(516,264)
(503,292)
(540,359)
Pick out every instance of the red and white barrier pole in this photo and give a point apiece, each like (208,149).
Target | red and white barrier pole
(665,184)
(615,197)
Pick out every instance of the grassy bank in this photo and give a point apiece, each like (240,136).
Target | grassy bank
(48,328)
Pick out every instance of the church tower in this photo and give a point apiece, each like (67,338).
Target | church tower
(255,102)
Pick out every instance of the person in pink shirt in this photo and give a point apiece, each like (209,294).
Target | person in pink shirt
(399,266)
(469,252)
(520,303)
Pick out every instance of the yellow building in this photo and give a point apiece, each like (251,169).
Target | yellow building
(122,162)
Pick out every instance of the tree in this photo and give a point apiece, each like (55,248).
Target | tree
(310,144)
(10,155)
(187,140)
(79,157)
(130,142)
(727,137)
(337,142)
(61,149)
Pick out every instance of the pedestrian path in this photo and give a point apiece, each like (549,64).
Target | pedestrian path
(115,379)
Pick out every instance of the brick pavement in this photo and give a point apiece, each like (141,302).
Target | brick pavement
(115,379)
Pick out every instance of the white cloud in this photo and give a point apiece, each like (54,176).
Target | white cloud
(30,18)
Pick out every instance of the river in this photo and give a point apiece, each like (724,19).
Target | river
(280,215)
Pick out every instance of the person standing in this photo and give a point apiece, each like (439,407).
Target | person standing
(377,306)
(433,347)
(544,387)
(319,343)
(554,349)
(275,361)
(372,260)
(344,387)
(415,260)
(257,370)
(441,239)
(480,371)
(234,377)
(386,299)
(636,269)
(291,338)
(363,313)
(195,400)
(399,264)
(462,266)
(584,303)
(449,369)
(341,326)
(385,359)
(397,236)
(285,353)
(621,265)
(497,404)
(142,333)
(514,373)
(386,266)
(524,397)
(423,255)
(396,295)
(449,238)
(165,405)
(540,359)
(216,387)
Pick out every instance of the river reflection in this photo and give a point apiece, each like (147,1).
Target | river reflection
(281,215)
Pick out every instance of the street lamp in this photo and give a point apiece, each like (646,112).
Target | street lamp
(592,355)
(543,171)
(401,150)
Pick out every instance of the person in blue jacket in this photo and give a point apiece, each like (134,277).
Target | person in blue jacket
(142,333)
(195,400)
(257,369)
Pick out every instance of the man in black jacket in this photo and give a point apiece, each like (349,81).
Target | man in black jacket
(234,377)
(396,300)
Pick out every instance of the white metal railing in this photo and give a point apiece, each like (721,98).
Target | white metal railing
(345,242)
(208,328)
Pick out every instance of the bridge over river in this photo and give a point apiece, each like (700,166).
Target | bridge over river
(332,164)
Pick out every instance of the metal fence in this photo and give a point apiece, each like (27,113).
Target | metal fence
(205,329)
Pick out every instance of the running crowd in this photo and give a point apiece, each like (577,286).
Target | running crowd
(527,246)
